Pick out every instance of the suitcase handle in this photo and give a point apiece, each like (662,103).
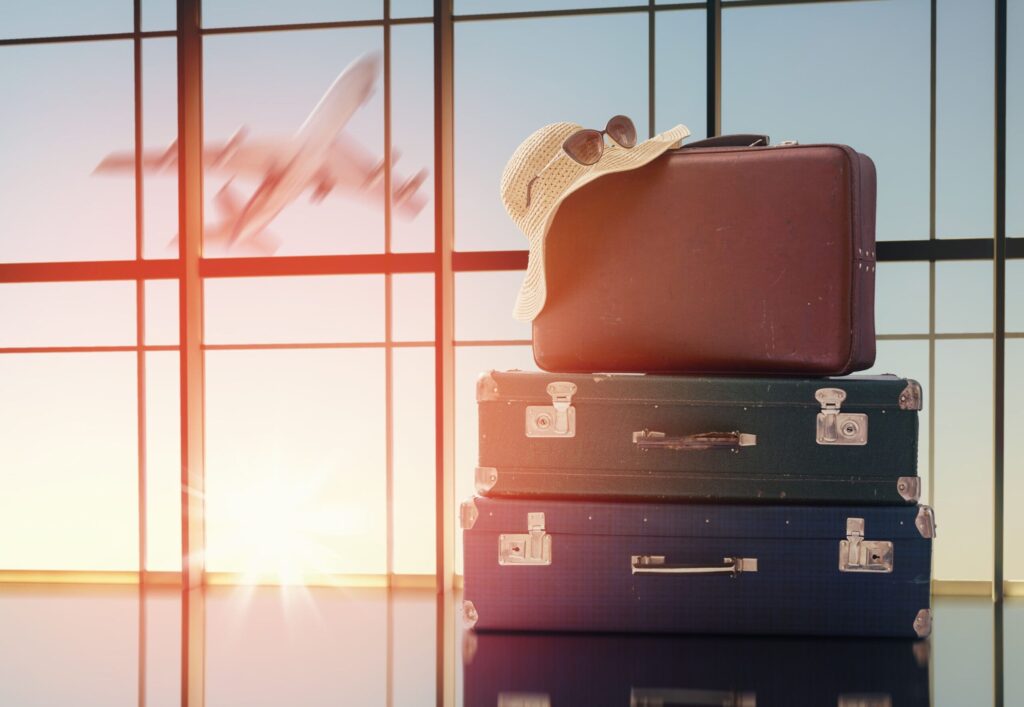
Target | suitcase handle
(647,439)
(655,564)
(737,140)
(641,697)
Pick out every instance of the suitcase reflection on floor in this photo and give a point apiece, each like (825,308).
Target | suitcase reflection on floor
(547,670)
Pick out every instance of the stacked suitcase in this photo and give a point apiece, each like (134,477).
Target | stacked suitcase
(750,501)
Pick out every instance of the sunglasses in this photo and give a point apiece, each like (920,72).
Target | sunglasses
(586,146)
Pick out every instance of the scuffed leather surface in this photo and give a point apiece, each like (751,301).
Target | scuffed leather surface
(745,260)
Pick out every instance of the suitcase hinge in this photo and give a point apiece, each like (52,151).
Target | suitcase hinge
(468,515)
(533,548)
(557,419)
(835,426)
(859,555)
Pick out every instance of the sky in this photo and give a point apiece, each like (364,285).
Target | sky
(854,73)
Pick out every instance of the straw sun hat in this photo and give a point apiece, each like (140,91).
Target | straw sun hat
(555,180)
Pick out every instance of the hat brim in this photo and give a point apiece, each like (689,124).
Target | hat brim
(533,292)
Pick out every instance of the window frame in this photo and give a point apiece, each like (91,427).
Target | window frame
(191,270)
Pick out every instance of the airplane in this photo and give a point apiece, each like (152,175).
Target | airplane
(318,157)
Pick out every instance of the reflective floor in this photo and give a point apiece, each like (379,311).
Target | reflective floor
(90,645)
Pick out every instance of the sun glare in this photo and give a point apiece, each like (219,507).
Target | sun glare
(275,531)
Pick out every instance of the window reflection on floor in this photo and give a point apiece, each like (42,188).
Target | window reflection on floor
(91,645)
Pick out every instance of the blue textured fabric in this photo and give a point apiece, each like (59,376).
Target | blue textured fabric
(798,588)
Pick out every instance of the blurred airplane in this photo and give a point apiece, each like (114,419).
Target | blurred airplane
(318,157)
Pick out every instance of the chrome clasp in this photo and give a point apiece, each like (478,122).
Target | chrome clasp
(557,419)
(835,426)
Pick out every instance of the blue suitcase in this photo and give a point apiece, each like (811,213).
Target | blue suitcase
(551,565)
(547,670)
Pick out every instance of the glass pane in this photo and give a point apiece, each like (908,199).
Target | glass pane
(313,309)
(1013,469)
(159,132)
(1013,638)
(964,76)
(470,362)
(53,204)
(159,15)
(66,646)
(412,307)
(681,70)
(962,652)
(1015,295)
(163,647)
(909,359)
(414,672)
(412,138)
(259,89)
(412,8)
(226,13)
(67,314)
(291,646)
(163,461)
(71,505)
(56,18)
(483,307)
(824,73)
(963,460)
(963,297)
(901,298)
(472,7)
(414,461)
(1014,117)
(498,102)
(162,325)
(295,463)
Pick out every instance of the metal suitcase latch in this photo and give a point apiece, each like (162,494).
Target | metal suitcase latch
(533,548)
(859,555)
(836,427)
(557,419)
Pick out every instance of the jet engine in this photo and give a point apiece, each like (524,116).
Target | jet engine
(230,147)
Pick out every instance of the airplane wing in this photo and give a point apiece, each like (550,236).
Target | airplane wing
(351,167)
(236,156)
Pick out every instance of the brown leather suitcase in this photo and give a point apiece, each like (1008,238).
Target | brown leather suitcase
(716,258)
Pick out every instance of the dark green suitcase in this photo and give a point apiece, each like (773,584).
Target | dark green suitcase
(846,440)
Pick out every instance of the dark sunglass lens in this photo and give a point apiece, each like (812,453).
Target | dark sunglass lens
(585,146)
(622,131)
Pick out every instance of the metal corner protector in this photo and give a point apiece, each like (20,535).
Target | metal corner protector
(468,514)
(469,615)
(486,387)
(486,477)
(911,398)
(923,623)
(469,647)
(909,488)
(925,521)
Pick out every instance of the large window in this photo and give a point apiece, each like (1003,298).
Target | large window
(341,346)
